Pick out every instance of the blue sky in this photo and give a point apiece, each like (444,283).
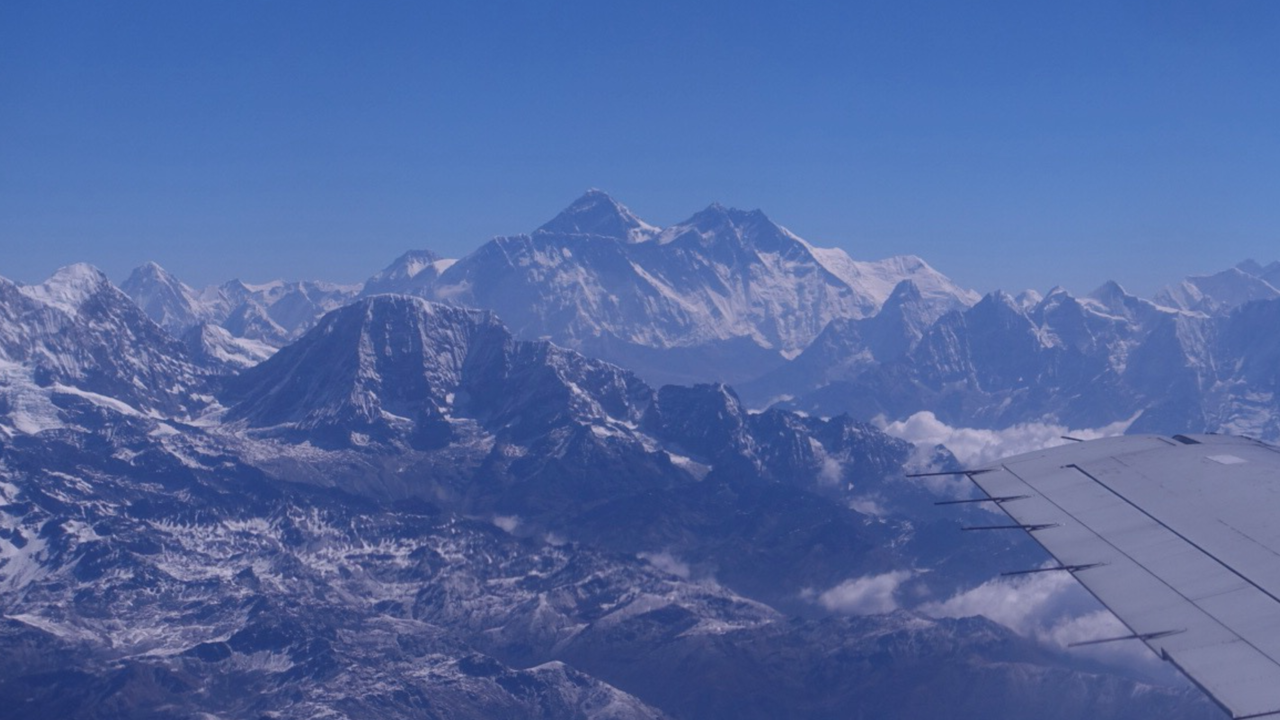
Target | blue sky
(1010,144)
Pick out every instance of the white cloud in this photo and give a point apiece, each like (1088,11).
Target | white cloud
(1053,609)
(975,447)
(1022,604)
(868,595)
(667,563)
(867,506)
(831,472)
(509,523)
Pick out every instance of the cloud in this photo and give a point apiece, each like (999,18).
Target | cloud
(1053,609)
(831,472)
(1022,604)
(667,563)
(867,506)
(508,523)
(975,447)
(868,595)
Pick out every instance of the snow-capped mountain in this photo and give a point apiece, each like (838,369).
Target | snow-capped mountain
(168,301)
(1082,362)
(730,296)
(215,347)
(845,347)
(725,295)
(410,512)
(401,377)
(411,274)
(267,315)
(76,338)
(1223,291)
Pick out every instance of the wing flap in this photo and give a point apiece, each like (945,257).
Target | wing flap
(1176,543)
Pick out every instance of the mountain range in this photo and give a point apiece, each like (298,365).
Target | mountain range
(722,296)
(1087,362)
(730,296)
(409,510)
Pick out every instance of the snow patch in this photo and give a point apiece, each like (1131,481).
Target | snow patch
(689,465)
(31,411)
(99,400)
(21,566)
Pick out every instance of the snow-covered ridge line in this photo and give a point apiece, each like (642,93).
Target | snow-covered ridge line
(596,278)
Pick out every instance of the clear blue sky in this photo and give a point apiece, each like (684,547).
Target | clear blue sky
(1011,144)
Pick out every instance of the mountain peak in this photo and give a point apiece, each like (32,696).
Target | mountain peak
(69,287)
(77,273)
(412,273)
(1251,267)
(905,292)
(1002,299)
(1221,291)
(1108,292)
(148,274)
(716,214)
(717,224)
(164,298)
(1115,299)
(596,213)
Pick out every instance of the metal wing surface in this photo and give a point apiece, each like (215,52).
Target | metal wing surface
(1179,537)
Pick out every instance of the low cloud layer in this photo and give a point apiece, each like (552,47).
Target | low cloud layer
(1053,609)
(1025,604)
(975,447)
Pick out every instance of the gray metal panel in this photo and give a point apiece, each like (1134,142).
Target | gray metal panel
(1184,543)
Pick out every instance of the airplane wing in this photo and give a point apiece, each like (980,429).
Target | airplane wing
(1179,536)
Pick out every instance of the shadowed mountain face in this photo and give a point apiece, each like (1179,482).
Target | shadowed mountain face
(1079,362)
(1194,360)
(408,512)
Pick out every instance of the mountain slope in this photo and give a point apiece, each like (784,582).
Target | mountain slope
(76,338)
(581,546)
(157,587)
(1082,362)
